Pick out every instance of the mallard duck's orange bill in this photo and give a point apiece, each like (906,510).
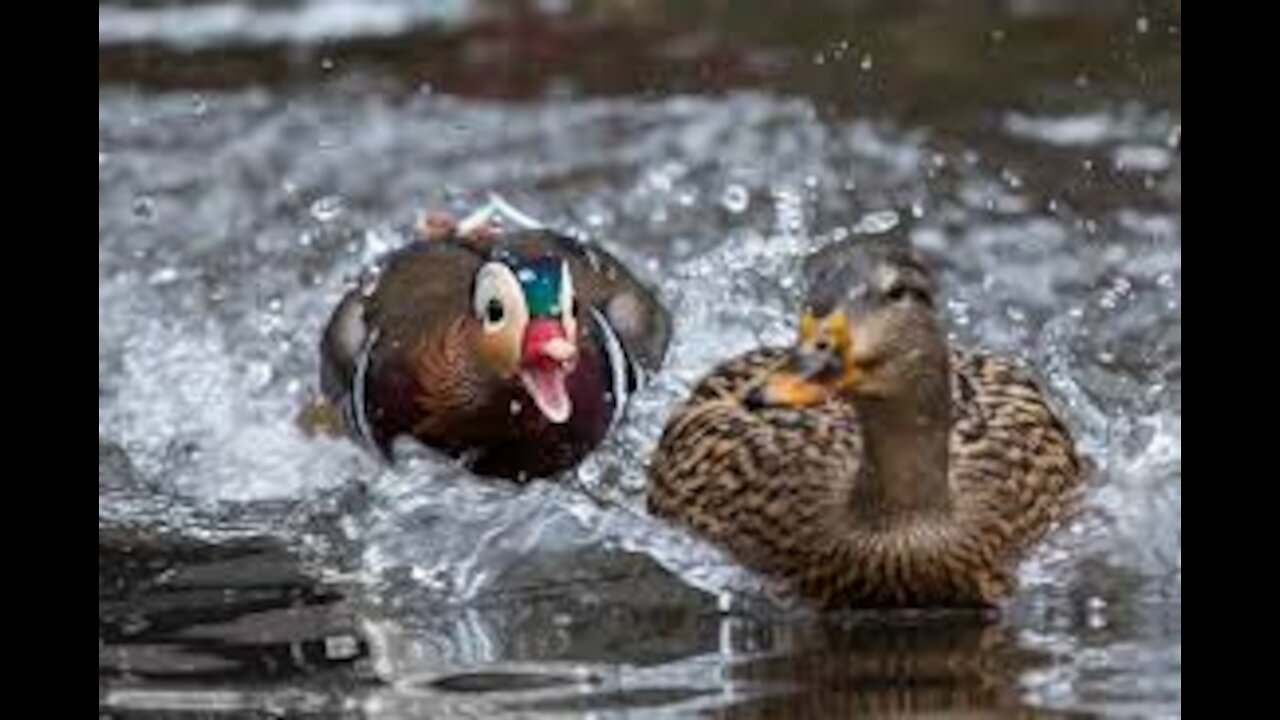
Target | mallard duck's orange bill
(787,389)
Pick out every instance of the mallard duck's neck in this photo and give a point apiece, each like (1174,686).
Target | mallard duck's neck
(906,443)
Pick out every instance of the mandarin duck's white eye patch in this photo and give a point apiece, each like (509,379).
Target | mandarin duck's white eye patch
(499,301)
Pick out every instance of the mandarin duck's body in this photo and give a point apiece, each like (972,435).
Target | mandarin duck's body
(871,465)
(516,352)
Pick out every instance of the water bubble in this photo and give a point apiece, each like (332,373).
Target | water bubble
(199,106)
(144,208)
(1143,25)
(917,210)
(327,209)
(327,64)
(867,63)
(516,408)
(736,199)
(878,222)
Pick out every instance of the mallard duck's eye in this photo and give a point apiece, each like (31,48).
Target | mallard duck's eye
(898,293)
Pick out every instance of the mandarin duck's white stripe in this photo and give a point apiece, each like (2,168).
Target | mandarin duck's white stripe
(624,373)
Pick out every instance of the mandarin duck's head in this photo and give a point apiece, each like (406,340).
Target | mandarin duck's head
(526,316)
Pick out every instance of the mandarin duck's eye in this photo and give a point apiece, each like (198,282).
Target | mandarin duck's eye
(494,314)
(498,299)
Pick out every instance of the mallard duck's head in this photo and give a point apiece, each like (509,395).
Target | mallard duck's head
(869,331)
(528,316)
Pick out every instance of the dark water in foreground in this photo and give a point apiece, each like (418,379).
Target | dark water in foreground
(252,156)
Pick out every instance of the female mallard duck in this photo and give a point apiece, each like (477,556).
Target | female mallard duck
(516,351)
(872,465)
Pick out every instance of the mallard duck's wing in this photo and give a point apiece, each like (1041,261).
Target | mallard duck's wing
(1012,456)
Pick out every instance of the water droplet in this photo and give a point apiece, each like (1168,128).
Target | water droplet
(1174,141)
(1082,81)
(736,199)
(1166,281)
(878,223)
(820,59)
(1143,25)
(163,276)
(917,210)
(199,105)
(811,182)
(686,199)
(144,209)
(327,209)
(259,375)
(867,63)
(1106,358)
(103,158)
(516,408)
(327,64)
(997,36)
